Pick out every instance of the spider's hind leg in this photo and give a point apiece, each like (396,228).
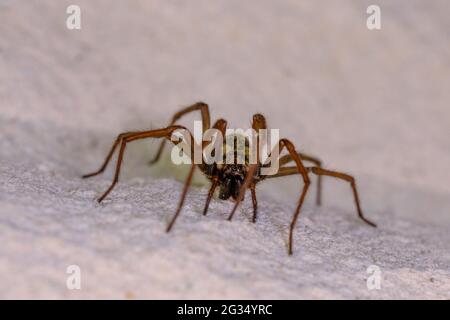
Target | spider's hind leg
(320,171)
(304,157)
(206,123)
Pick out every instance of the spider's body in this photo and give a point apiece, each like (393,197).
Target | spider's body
(230,176)
(235,178)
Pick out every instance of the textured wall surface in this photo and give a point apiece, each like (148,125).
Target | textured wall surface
(371,103)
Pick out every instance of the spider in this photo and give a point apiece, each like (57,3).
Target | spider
(233,180)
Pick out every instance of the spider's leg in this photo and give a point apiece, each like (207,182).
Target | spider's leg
(183,196)
(254,201)
(110,154)
(300,169)
(282,172)
(287,171)
(220,125)
(248,180)
(210,194)
(320,171)
(287,158)
(206,122)
(258,123)
(159,133)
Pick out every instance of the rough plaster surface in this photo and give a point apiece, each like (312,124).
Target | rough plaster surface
(374,104)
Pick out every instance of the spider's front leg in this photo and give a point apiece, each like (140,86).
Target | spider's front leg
(254,202)
(258,123)
(220,125)
(303,172)
(283,143)
(247,182)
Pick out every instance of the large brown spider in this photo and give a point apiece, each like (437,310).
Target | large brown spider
(232,179)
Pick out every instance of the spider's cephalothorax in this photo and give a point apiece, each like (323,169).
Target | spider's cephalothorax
(233,179)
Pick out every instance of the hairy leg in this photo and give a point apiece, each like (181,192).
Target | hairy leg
(302,171)
(287,171)
(129,137)
(183,197)
(258,122)
(206,122)
(287,158)
(351,180)
(248,180)
(213,187)
(158,133)
(283,143)
(255,202)
(110,154)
